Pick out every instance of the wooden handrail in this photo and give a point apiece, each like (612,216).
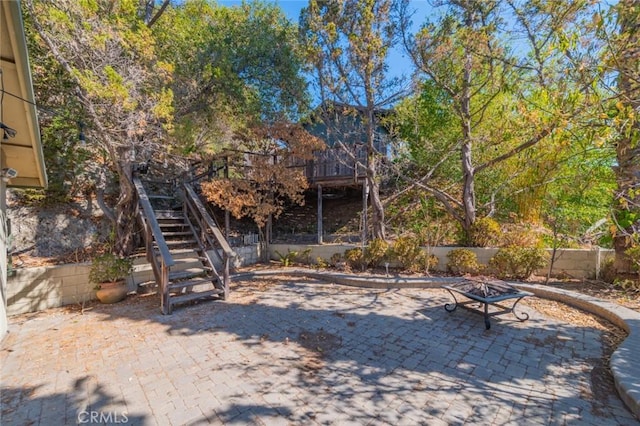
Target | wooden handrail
(193,197)
(167,259)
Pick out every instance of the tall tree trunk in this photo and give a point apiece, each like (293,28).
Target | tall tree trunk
(627,208)
(468,189)
(125,209)
(377,220)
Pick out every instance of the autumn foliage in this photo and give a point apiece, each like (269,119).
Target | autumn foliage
(269,176)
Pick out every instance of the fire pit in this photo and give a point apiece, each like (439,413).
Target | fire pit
(486,291)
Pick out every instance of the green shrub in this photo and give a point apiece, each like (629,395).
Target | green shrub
(321,263)
(336,258)
(634,255)
(305,256)
(521,237)
(632,286)
(108,268)
(485,232)
(376,252)
(355,258)
(608,271)
(287,259)
(518,262)
(407,251)
(427,263)
(463,261)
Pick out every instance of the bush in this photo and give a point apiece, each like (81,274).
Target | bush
(407,251)
(521,237)
(355,258)
(518,262)
(485,232)
(305,256)
(109,268)
(608,271)
(321,263)
(634,255)
(287,259)
(463,261)
(335,259)
(427,263)
(631,286)
(376,252)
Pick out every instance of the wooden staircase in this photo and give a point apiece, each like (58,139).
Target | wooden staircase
(189,255)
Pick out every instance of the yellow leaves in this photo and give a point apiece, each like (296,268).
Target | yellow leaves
(163,108)
(332,30)
(165,68)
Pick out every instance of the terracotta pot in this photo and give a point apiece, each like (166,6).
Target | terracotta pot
(112,292)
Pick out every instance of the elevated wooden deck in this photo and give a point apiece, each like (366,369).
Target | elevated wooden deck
(334,167)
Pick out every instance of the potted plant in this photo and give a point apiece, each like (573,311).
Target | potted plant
(108,273)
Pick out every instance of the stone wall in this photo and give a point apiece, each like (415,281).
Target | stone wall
(575,263)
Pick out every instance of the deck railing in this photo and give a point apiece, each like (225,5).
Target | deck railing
(152,233)
(209,235)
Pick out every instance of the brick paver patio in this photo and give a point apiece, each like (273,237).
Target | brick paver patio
(302,352)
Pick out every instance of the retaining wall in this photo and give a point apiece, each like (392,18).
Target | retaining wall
(35,289)
(574,263)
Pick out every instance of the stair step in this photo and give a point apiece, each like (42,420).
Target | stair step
(177,234)
(187,260)
(188,264)
(190,283)
(183,298)
(187,273)
(164,225)
(180,252)
(169,214)
(161,197)
(180,242)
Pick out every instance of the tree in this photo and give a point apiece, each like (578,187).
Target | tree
(504,104)
(227,80)
(107,51)
(61,120)
(267,177)
(347,44)
(624,58)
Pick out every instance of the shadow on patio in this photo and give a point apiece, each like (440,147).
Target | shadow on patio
(317,352)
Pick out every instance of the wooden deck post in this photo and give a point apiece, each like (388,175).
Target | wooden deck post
(320,230)
(227,218)
(365,199)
